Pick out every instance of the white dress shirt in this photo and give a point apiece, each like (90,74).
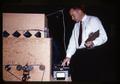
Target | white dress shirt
(89,24)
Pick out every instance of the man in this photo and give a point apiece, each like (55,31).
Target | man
(80,53)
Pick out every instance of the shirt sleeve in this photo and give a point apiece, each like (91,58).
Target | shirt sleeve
(71,46)
(102,34)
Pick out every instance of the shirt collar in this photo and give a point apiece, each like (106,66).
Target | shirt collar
(84,18)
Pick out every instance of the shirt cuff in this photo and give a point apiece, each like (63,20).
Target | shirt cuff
(68,55)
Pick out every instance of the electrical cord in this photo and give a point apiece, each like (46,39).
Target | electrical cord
(43,75)
(14,75)
(34,30)
(63,20)
(41,67)
(8,68)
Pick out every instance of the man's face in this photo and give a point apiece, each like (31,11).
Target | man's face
(76,14)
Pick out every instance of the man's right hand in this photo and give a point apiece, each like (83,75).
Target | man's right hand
(66,61)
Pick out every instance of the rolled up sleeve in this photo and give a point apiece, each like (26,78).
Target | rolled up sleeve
(102,34)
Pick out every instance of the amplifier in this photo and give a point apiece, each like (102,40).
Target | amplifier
(60,72)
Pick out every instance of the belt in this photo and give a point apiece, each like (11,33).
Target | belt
(83,49)
(88,48)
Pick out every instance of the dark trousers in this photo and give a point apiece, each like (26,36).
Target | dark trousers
(83,65)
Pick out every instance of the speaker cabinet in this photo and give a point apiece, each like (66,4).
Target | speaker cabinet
(26,50)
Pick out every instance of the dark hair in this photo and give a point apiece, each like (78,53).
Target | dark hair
(81,7)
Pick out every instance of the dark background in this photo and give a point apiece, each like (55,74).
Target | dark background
(105,10)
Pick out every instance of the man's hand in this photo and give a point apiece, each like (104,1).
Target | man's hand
(66,60)
(89,44)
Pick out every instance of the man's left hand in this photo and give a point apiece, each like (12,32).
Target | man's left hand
(89,44)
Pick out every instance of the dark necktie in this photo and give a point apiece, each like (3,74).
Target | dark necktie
(80,34)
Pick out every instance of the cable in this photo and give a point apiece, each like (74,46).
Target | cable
(43,75)
(33,30)
(52,13)
(14,75)
(63,20)
(42,67)
(8,68)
